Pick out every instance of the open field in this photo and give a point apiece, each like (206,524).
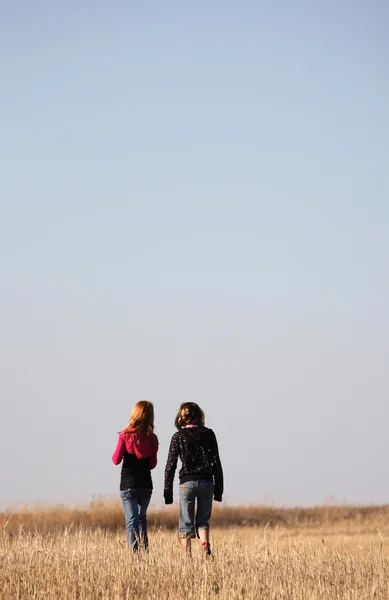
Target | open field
(318,553)
(108,515)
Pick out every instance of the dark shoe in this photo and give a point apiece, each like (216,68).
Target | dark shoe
(207,550)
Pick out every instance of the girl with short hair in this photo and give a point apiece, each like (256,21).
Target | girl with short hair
(201,475)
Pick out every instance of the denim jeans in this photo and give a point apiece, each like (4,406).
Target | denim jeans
(193,518)
(135,503)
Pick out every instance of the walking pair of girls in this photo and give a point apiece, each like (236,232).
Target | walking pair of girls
(201,473)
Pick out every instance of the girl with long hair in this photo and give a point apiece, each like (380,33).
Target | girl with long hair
(137,447)
(201,475)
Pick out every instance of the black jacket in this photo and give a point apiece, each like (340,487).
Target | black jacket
(198,450)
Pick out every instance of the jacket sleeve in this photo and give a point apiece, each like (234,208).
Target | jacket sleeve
(117,456)
(153,456)
(217,472)
(171,465)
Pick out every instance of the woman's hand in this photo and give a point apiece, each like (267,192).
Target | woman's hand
(168,498)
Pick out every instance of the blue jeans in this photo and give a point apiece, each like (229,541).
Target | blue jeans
(135,503)
(191,520)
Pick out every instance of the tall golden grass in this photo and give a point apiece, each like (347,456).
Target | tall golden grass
(261,553)
(108,515)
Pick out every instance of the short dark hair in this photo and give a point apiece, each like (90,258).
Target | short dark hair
(189,413)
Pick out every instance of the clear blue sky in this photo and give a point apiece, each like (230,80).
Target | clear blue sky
(194,206)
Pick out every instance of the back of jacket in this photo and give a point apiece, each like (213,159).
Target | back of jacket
(198,450)
(139,456)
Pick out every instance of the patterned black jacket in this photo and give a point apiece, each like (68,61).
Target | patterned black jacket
(198,450)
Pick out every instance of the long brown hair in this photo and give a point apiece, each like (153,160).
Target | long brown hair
(142,418)
(189,413)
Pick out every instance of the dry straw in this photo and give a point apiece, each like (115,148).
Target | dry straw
(262,553)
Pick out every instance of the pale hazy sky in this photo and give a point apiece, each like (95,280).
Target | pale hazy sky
(194,206)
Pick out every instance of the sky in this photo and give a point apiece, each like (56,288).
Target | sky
(194,207)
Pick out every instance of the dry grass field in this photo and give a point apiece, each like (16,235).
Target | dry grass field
(260,553)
